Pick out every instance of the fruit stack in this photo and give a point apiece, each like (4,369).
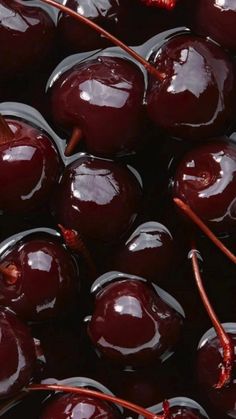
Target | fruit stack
(117,209)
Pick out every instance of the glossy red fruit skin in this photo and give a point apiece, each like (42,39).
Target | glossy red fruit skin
(209,359)
(17,354)
(27,35)
(98,198)
(29,169)
(132,325)
(147,253)
(103,97)
(206,180)
(78,407)
(48,279)
(216,20)
(196,100)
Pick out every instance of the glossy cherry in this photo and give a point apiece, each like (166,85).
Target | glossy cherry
(17,354)
(39,279)
(216,20)
(196,99)
(29,166)
(148,252)
(27,35)
(133,323)
(99,198)
(206,180)
(102,97)
(181,408)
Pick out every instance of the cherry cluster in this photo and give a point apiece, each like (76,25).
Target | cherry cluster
(117,201)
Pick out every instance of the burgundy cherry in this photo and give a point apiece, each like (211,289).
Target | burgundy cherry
(206,180)
(38,278)
(196,97)
(29,167)
(133,323)
(26,37)
(217,20)
(147,253)
(103,99)
(181,408)
(98,198)
(17,354)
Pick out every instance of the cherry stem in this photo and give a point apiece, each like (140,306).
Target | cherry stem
(225,341)
(6,134)
(151,69)
(102,396)
(10,273)
(203,227)
(76,136)
(165,4)
(75,243)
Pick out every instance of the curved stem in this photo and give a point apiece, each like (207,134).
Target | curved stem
(165,4)
(225,341)
(151,69)
(196,220)
(6,133)
(102,396)
(75,243)
(10,273)
(76,137)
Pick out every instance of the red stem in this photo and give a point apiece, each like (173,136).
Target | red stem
(75,243)
(76,136)
(196,220)
(151,69)
(10,273)
(165,4)
(6,134)
(225,341)
(107,397)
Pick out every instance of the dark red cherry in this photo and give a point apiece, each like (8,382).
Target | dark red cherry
(26,37)
(147,253)
(98,198)
(206,180)
(17,354)
(133,323)
(103,98)
(196,97)
(39,278)
(181,408)
(217,19)
(29,167)
(209,362)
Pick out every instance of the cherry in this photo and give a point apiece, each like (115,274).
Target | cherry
(29,166)
(17,354)
(133,323)
(217,20)
(148,252)
(27,34)
(98,198)
(103,99)
(196,99)
(167,4)
(38,277)
(206,180)
(182,408)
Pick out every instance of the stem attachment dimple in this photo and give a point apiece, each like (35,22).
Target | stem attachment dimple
(10,273)
(203,227)
(76,137)
(6,134)
(226,343)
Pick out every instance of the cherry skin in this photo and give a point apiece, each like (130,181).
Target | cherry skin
(38,278)
(132,324)
(217,20)
(29,167)
(17,354)
(104,98)
(182,408)
(78,407)
(209,361)
(26,37)
(206,180)
(147,253)
(196,99)
(98,198)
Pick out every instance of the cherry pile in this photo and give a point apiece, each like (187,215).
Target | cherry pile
(117,209)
